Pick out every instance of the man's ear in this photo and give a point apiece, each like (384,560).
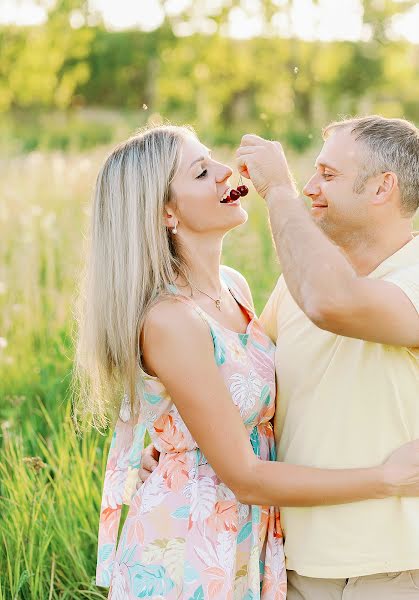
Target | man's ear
(387,185)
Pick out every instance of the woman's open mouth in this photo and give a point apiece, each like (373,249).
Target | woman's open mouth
(228,199)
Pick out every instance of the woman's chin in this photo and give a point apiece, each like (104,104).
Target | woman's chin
(239,217)
(244,214)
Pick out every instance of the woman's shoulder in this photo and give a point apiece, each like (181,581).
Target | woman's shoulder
(172,314)
(172,328)
(239,281)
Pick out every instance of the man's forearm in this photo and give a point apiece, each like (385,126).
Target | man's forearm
(314,268)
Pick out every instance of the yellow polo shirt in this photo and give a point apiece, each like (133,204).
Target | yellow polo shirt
(344,403)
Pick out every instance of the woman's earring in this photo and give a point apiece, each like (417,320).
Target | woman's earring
(174,230)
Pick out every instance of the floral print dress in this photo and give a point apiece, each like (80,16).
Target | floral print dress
(186,536)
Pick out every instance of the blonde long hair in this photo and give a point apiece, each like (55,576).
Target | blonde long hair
(131,259)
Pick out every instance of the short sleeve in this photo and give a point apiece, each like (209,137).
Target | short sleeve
(269,316)
(407,279)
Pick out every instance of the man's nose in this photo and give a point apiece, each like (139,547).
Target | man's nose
(312,188)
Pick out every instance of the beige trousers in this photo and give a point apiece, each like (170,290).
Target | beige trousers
(383,586)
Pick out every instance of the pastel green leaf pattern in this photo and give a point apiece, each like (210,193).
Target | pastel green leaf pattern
(265,395)
(219,349)
(199,594)
(251,419)
(182,512)
(105,552)
(243,337)
(255,441)
(113,440)
(137,446)
(244,532)
(151,398)
(190,573)
(255,514)
(150,581)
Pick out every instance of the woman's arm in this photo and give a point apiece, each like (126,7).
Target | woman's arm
(178,348)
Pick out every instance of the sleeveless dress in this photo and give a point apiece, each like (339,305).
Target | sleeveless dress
(186,536)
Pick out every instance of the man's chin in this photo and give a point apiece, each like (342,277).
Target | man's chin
(324,224)
(319,215)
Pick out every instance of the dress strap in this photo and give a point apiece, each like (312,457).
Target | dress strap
(237,292)
(190,303)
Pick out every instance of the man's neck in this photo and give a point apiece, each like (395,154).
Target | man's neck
(367,254)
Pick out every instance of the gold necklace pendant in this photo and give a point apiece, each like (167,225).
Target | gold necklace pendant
(216,300)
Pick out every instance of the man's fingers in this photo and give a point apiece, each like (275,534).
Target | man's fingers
(142,476)
(242,166)
(155,453)
(250,139)
(149,463)
(247,150)
(151,451)
(148,449)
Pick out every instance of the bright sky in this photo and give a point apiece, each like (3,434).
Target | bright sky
(326,20)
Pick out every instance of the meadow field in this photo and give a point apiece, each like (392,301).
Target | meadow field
(50,478)
(70,85)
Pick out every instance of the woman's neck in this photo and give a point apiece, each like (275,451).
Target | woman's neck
(203,257)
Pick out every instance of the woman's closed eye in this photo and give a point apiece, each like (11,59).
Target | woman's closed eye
(203,174)
(327,176)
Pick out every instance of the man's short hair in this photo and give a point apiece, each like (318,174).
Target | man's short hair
(391,145)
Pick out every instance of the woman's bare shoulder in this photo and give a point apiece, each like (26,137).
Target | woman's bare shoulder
(169,314)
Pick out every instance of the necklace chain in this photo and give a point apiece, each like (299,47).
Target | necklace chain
(216,300)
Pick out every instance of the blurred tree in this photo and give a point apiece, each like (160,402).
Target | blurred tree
(42,66)
(379,14)
(124,67)
(189,69)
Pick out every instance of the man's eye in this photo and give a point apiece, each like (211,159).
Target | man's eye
(203,174)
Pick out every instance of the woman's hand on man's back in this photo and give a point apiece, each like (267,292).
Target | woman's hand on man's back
(149,461)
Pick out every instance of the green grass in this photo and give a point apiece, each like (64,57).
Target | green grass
(49,512)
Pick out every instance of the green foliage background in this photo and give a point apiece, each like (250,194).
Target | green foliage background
(66,95)
(279,87)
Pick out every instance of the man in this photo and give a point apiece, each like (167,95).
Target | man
(345,318)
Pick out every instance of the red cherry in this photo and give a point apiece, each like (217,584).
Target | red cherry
(234,195)
(243,190)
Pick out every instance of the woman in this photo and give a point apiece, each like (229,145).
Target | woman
(164,320)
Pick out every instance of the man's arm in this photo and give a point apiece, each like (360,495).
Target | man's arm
(318,276)
(327,288)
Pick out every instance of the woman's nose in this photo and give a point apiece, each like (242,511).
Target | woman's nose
(224,172)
